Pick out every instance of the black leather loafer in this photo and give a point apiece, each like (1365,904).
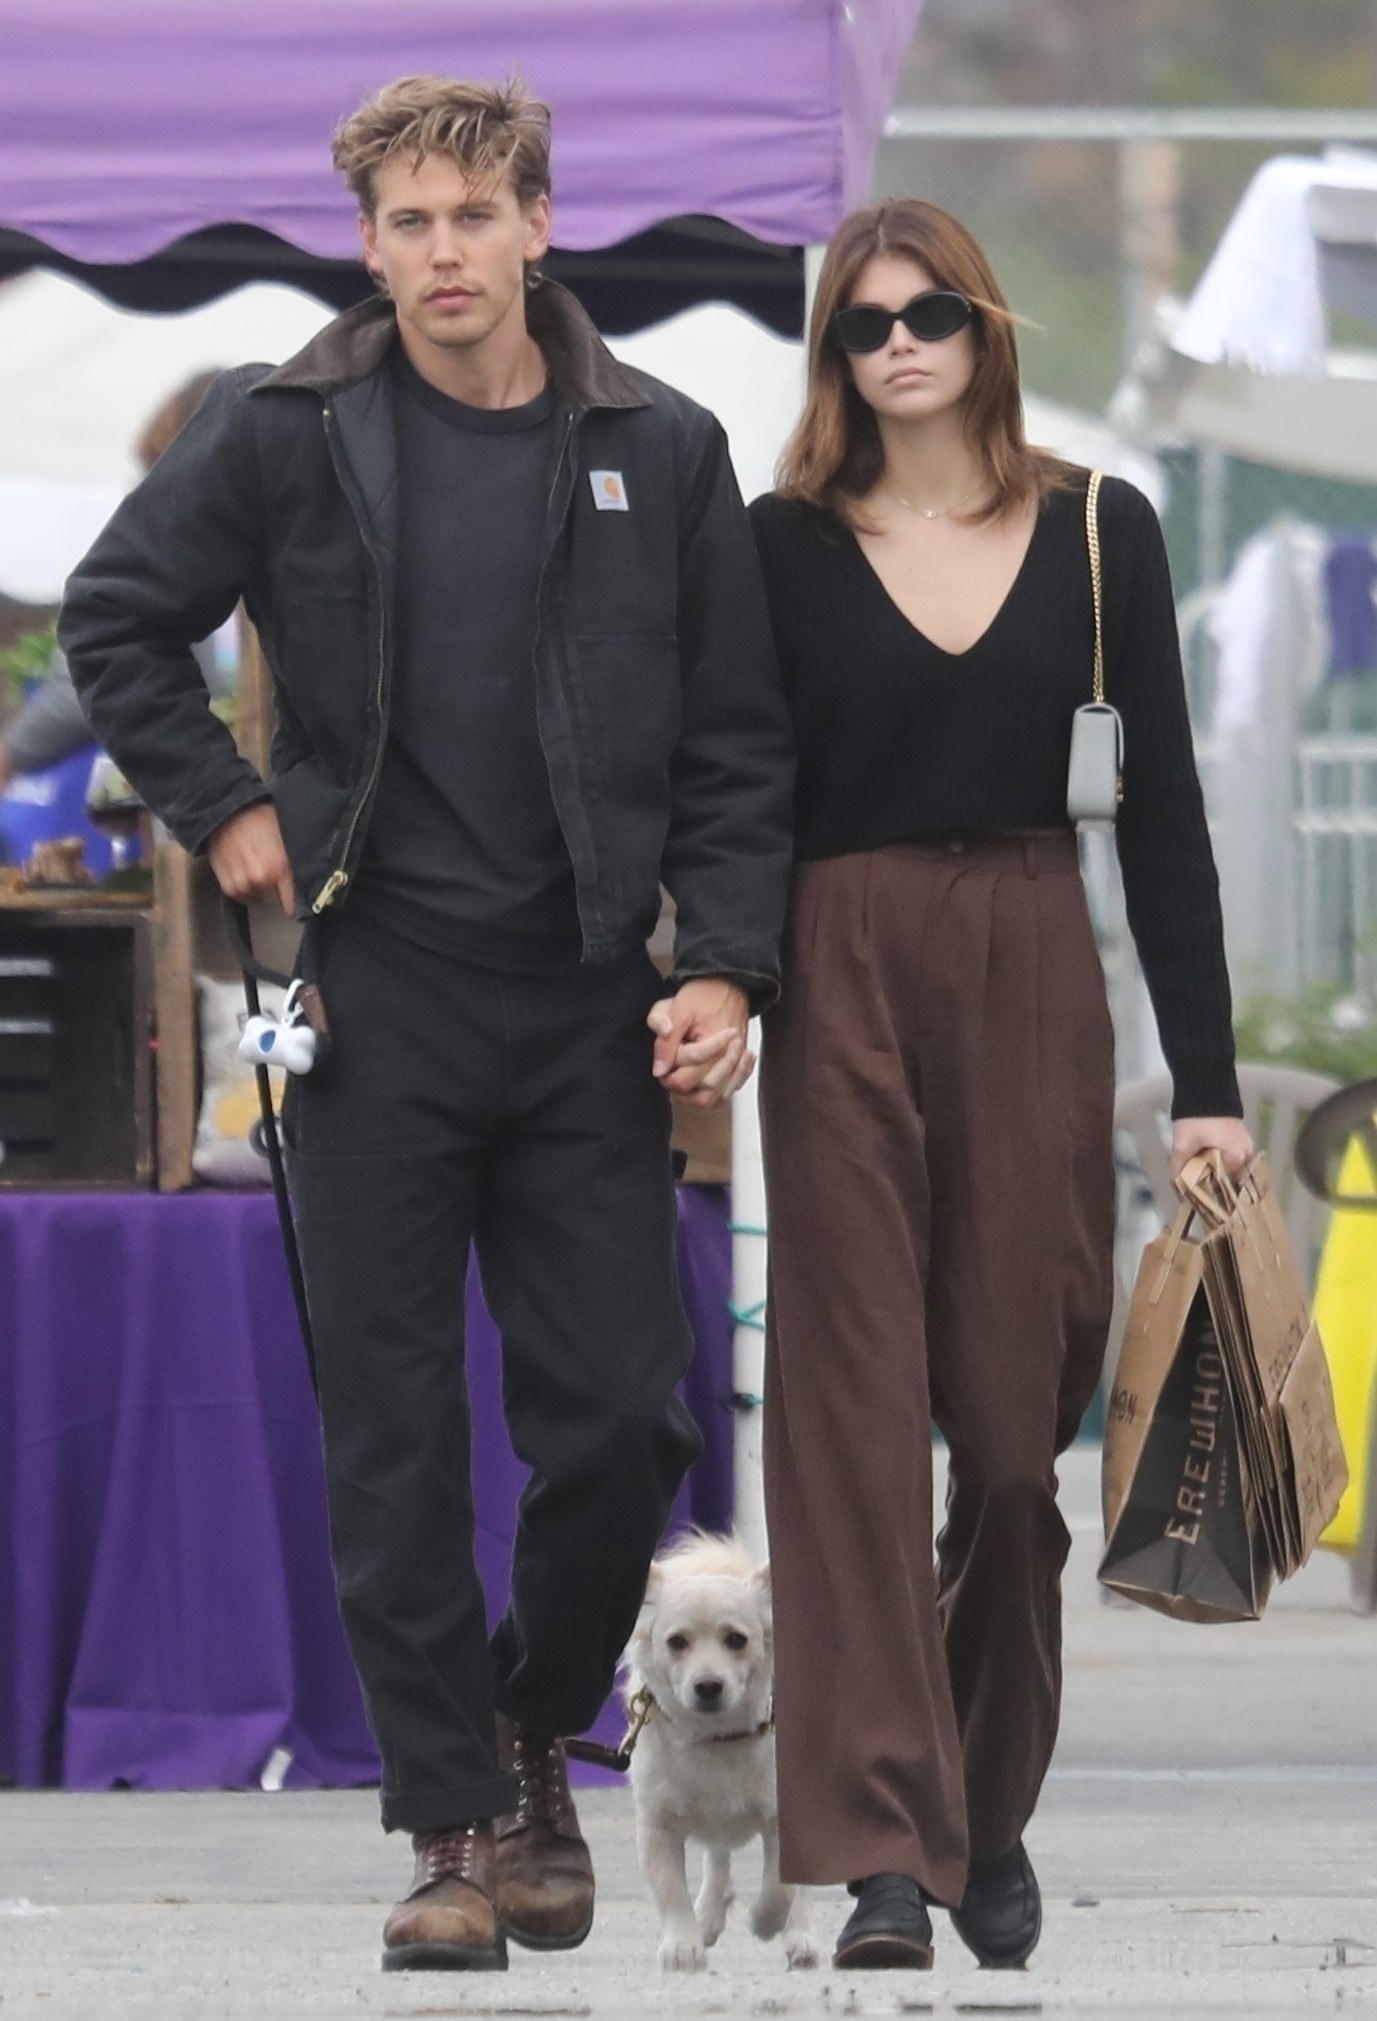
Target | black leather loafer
(1000,1917)
(888,1929)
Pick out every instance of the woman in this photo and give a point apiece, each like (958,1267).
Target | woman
(937,1080)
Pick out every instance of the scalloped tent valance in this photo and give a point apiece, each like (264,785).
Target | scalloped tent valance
(165,150)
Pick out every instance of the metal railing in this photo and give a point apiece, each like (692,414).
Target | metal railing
(1335,826)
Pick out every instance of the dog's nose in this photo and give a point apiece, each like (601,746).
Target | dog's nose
(708,1691)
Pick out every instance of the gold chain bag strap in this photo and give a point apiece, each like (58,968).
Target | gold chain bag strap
(1094,773)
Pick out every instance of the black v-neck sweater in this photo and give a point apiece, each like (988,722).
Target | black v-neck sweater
(898,739)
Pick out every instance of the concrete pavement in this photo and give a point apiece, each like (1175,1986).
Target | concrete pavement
(1207,1844)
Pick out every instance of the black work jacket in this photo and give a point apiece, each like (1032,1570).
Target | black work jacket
(658,699)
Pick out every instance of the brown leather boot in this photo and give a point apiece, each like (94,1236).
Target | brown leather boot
(544,1872)
(449,1921)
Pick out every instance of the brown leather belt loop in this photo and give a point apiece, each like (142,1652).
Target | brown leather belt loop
(1033,852)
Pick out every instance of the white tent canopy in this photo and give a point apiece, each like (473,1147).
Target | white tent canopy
(78,381)
(79,378)
(1302,242)
(1247,365)
(1320,427)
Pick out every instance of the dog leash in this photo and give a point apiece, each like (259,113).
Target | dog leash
(641,1709)
(254,972)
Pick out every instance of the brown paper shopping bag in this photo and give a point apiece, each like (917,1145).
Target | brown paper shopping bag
(1276,1350)
(1183,1532)
(1221,1454)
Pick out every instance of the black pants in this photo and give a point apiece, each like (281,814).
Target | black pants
(517,1113)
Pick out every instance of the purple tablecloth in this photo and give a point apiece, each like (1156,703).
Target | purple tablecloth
(167,1618)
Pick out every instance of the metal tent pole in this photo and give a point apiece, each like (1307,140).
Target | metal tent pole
(748,1236)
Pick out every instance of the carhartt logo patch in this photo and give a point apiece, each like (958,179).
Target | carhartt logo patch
(609,490)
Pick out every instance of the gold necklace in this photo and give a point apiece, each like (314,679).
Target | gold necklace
(938,512)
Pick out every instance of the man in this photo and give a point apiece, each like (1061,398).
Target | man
(523,671)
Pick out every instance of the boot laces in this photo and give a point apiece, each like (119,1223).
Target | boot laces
(449,1855)
(539,1782)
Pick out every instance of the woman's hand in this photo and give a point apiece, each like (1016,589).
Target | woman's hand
(701,1053)
(1194,1134)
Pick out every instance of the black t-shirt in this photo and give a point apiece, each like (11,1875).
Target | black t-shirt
(464,850)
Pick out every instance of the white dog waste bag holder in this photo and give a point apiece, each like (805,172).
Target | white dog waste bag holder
(1094,774)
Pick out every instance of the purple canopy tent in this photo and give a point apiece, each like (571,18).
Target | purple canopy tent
(168,150)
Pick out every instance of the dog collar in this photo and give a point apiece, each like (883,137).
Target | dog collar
(754,1733)
(644,1705)
(641,1709)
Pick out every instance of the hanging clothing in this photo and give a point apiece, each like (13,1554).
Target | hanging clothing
(1350,596)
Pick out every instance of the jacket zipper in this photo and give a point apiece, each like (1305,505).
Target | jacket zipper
(339,877)
(571,423)
(554,531)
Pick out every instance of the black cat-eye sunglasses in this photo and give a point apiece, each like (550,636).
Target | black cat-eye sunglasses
(929,317)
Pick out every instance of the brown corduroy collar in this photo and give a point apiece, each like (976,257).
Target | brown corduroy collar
(582,369)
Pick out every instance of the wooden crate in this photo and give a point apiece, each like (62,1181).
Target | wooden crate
(76,1032)
(99,1059)
(191,937)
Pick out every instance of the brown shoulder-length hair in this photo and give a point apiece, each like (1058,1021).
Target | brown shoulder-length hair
(835,456)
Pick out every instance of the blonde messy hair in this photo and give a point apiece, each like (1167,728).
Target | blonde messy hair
(490,130)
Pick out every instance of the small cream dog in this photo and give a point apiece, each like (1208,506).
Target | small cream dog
(703,1767)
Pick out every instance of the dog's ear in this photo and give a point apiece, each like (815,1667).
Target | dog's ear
(760,1579)
(655,1579)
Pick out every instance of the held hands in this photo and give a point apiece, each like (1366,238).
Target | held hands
(249,857)
(1210,1133)
(700,1041)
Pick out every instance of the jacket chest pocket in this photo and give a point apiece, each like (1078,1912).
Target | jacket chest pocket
(629,684)
(325,662)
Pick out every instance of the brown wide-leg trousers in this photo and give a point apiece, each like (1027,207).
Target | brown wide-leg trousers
(937,1100)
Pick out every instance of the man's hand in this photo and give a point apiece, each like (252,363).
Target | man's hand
(249,857)
(1210,1133)
(700,1041)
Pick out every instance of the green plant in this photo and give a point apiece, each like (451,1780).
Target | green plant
(226,707)
(27,659)
(1329,1028)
